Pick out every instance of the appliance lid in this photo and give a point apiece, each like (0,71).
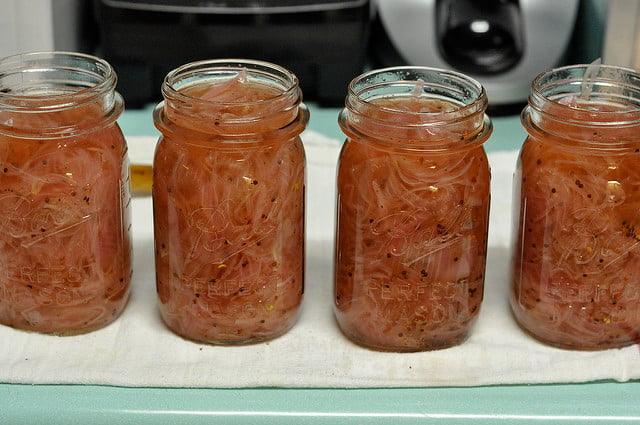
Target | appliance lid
(235,6)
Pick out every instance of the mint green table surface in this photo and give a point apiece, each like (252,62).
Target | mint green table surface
(592,403)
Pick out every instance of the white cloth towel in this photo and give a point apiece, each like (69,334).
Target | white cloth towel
(138,350)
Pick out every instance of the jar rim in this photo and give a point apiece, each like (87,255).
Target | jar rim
(592,106)
(198,71)
(277,108)
(460,123)
(574,87)
(88,77)
(477,96)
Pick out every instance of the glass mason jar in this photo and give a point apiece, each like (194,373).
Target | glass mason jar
(229,198)
(65,256)
(412,210)
(576,265)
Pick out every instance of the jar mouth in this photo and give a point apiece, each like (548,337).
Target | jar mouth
(594,106)
(224,70)
(466,94)
(427,108)
(231,98)
(591,95)
(50,81)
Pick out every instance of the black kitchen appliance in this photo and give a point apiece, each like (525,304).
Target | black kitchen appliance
(322,41)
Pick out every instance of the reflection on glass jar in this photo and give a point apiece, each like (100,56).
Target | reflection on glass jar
(576,265)
(65,251)
(413,208)
(229,196)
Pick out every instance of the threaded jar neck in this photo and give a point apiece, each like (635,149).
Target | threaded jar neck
(417,108)
(231,99)
(591,106)
(56,94)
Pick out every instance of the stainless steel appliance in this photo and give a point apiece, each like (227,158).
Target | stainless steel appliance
(502,43)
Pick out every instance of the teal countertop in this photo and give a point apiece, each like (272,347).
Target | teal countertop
(598,403)
(592,403)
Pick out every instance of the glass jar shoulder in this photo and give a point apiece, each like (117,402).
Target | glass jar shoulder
(554,162)
(458,166)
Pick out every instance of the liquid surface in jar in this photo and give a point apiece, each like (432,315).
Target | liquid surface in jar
(238,90)
(577,275)
(65,254)
(411,244)
(261,108)
(229,232)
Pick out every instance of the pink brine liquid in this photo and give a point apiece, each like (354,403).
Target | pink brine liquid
(229,219)
(411,235)
(65,250)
